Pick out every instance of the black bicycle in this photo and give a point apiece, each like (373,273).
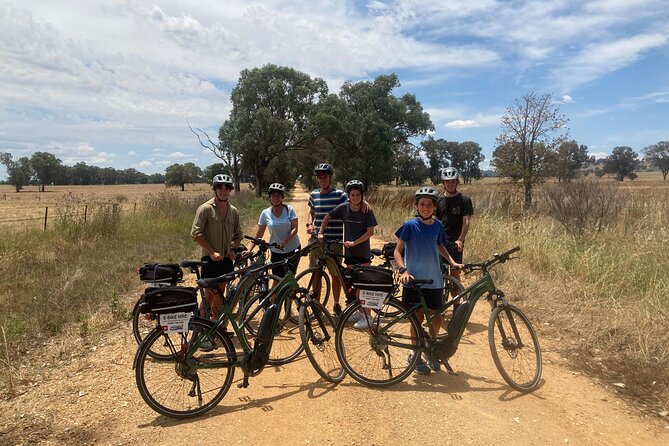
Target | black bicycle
(386,353)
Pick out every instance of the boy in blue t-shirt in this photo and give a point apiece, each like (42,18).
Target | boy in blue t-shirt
(422,240)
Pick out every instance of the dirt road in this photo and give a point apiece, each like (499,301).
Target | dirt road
(93,400)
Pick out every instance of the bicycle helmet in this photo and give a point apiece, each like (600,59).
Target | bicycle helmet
(427,192)
(323,167)
(277,187)
(355,184)
(223,179)
(450,173)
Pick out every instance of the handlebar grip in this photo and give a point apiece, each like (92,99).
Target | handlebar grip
(512,250)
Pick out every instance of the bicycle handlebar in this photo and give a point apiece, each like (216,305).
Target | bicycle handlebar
(496,258)
(260,243)
(417,282)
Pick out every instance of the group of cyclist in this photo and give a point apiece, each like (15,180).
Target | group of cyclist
(439,230)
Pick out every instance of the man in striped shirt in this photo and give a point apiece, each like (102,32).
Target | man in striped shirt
(321,201)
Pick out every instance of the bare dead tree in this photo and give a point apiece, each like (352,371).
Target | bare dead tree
(226,154)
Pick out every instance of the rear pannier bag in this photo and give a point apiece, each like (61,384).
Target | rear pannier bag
(374,278)
(161,273)
(163,300)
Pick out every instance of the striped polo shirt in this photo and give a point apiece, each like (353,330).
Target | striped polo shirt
(322,204)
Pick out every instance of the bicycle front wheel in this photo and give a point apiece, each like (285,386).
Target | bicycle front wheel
(317,329)
(378,355)
(316,282)
(515,348)
(184,387)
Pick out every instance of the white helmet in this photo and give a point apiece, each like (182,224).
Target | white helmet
(277,187)
(223,179)
(450,173)
(427,192)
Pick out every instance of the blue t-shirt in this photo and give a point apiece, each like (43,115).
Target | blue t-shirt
(421,250)
(323,204)
(279,227)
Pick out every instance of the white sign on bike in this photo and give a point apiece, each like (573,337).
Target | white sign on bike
(175,322)
(372,299)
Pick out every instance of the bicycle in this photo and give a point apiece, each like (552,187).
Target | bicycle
(192,382)
(377,356)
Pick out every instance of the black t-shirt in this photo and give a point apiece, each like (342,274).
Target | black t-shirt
(355,225)
(450,211)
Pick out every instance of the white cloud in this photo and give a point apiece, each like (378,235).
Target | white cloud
(566,99)
(132,153)
(462,124)
(180,155)
(143,164)
(599,155)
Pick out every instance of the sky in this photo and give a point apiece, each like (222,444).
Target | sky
(115,83)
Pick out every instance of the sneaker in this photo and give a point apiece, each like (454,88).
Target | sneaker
(355,317)
(337,310)
(421,367)
(206,346)
(362,323)
(432,362)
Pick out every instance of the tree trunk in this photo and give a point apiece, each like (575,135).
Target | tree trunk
(664,174)
(183,187)
(528,197)
(235,174)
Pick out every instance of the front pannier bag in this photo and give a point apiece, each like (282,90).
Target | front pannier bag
(168,300)
(161,273)
(373,278)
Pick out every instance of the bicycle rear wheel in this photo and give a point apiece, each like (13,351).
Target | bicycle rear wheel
(452,287)
(317,329)
(515,348)
(184,387)
(142,326)
(377,356)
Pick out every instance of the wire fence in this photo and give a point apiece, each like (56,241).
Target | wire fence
(51,214)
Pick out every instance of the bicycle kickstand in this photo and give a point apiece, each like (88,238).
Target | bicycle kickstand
(245,382)
(450,369)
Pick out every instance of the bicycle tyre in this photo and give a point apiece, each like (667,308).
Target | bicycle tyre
(168,386)
(308,278)
(366,354)
(452,288)
(519,363)
(142,327)
(287,343)
(317,330)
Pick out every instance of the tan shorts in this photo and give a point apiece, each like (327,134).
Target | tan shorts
(316,254)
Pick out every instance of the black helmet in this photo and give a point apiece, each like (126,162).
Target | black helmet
(323,167)
(450,173)
(427,192)
(277,187)
(223,179)
(355,184)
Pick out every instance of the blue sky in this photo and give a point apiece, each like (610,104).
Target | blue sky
(113,83)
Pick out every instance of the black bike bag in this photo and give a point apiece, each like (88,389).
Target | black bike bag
(163,300)
(161,273)
(375,278)
(388,250)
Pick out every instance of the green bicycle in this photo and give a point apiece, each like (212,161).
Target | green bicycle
(378,356)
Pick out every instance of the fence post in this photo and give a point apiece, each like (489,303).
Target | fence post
(85,212)
(134,209)
(46,215)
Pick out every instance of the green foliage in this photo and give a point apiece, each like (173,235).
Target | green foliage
(622,162)
(270,114)
(658,156)
(531,128)
(18,172)
(465,156)
(365,123)
(409,168)
(182,174)
(568,160)
(45,167)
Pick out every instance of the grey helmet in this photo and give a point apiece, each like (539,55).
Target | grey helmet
(223,179)
(450,173)
(323,167)
(427,192)
(277,187)
(355,184)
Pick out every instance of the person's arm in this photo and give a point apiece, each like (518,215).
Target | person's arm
(259,233)
(405,276)
(311,218)
(293,233)
(237,235)
(197,233)
(366,236)
(444,252)
(460,242)
(324,224)
(215,255)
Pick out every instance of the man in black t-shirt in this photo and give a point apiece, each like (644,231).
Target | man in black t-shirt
(455,211)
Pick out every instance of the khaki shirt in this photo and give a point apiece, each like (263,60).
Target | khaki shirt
(218,233)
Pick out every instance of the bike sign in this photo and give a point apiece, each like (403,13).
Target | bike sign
(372,299)
(175,322)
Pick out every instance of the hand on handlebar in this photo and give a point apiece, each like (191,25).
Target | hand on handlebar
(406,277)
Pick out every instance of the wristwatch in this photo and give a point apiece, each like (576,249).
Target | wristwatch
(402,270)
